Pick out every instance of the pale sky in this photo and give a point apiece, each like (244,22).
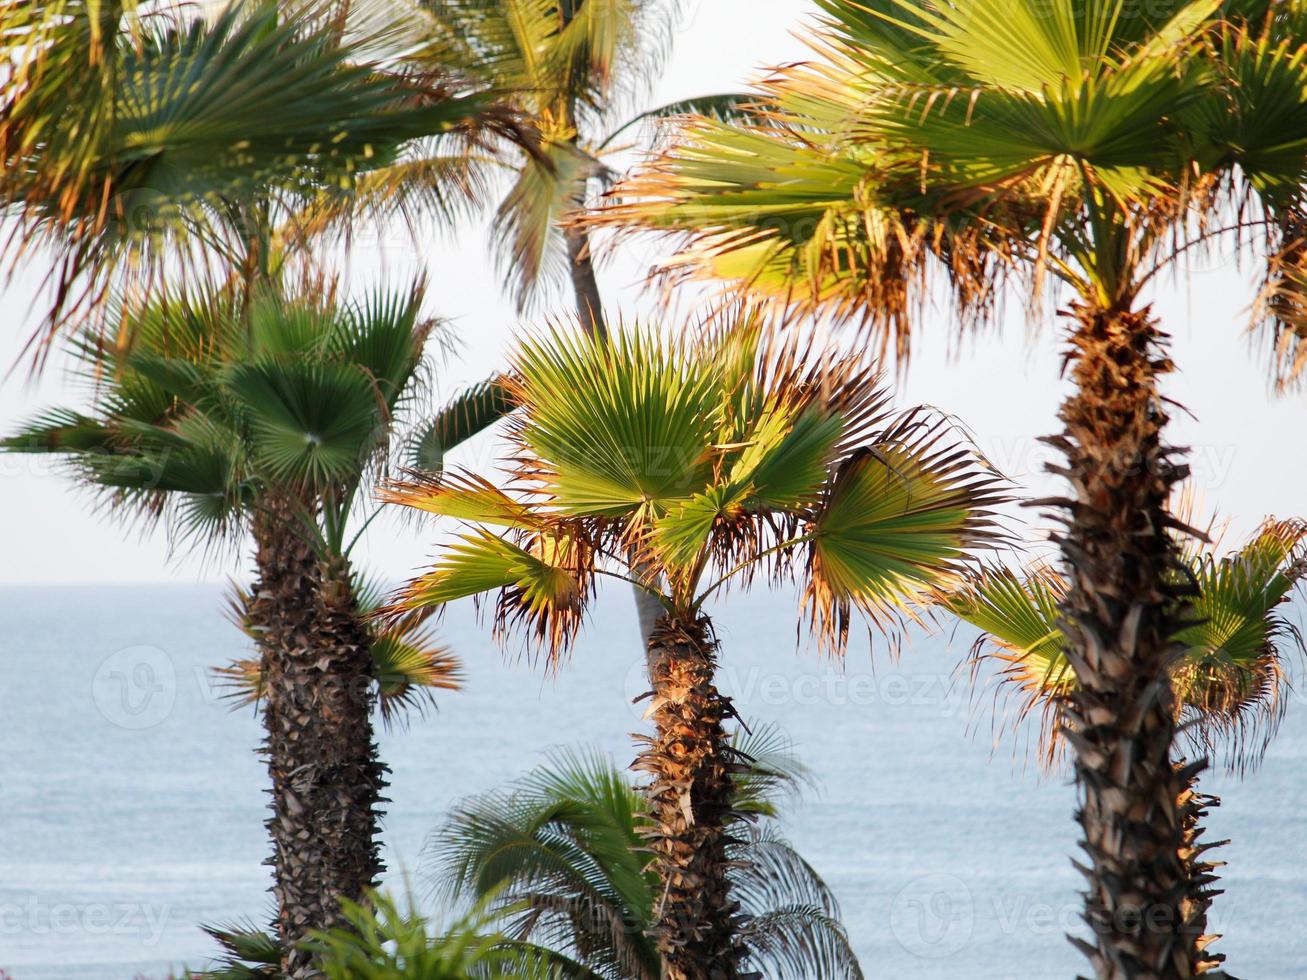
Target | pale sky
(1003,385)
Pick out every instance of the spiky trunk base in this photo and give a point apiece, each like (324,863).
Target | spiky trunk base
(1120,617)
(321,756)
(1194,809)
(691,765)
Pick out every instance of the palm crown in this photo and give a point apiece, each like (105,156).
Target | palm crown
(204,406)
(158,134)
(577,69)
(916,147)
(708,464)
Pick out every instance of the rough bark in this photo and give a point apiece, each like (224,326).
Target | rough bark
(321,756)
(1121,614)
(1194,809)
(691,767)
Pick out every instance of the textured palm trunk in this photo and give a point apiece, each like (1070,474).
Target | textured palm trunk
(321,756)
(1120,618)
(1194,808)
(585,285)
(691,765)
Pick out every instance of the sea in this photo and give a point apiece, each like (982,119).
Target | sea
(132,801)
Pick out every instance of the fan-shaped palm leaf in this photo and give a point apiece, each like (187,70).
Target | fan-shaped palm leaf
(178,124)
(1230,677)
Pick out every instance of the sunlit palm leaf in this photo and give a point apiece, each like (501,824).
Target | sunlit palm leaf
(614,426)
(462,496)
(543,588)
(898,523)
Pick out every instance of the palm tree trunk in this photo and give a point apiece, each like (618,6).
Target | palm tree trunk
(1194,808)
(691,764)
(585,285)
(321,756)
(1120,617)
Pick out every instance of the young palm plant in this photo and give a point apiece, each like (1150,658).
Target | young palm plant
(946,144)
(1228,679)
(710,463)
(561,854)
(272,419)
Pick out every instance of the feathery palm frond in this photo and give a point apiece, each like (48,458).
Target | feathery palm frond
(561,853)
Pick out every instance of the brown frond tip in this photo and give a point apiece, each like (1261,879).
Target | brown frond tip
(547,604)
(1280,309)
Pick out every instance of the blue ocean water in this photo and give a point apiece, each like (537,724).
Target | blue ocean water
(131,802)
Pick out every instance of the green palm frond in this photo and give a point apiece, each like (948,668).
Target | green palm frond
(470,413)
(543,587)
(462,496)
(561,852)
(897,525)
(613,426)
(248,953)
(59,430)
(1232,681)
(1229,681)
(310,424)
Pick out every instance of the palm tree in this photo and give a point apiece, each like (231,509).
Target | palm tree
(561,855)
(217,418)
(576,68)
(1229,679)
(962,144)
(710,464)
(135,137)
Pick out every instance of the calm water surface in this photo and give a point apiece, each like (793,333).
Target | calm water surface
(131,802)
